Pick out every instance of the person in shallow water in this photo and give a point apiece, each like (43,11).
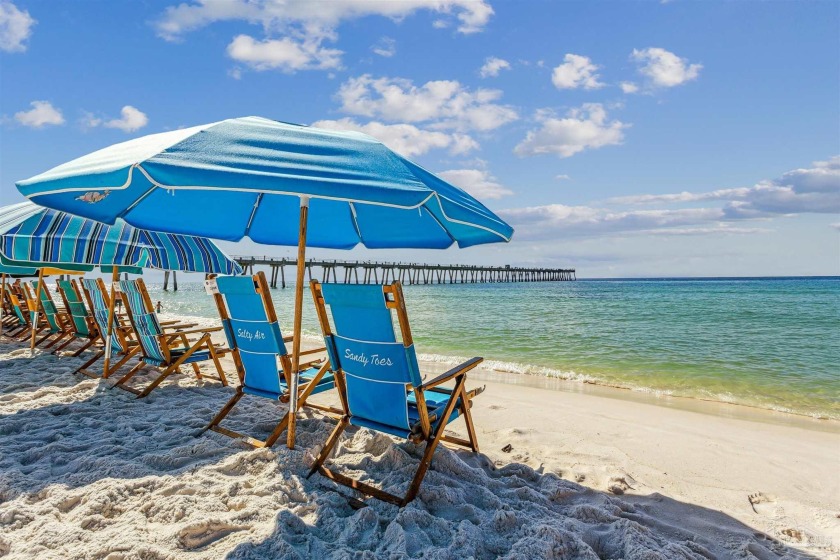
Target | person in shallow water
(157,307)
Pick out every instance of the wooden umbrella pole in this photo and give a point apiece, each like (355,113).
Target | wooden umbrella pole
(115,276)
(37,308)
(301,265)
(2,300)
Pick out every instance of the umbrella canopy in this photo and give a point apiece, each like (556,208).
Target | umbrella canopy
(34,237)
(361,192)
(276,183)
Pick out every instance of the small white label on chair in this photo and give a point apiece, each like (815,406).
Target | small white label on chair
(211,287)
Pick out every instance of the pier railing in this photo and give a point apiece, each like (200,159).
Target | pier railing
(373,272)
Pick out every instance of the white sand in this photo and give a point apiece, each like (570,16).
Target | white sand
(88,472)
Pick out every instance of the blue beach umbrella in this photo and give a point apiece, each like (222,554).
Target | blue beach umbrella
(275,183)
(34,237)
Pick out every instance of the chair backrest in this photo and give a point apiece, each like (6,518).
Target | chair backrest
(99,303)
(378,367)
(75,306)
(17,299)
(14,305)
(43,303)
(143,319)
(253,333)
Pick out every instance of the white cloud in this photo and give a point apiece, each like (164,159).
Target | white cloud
(492,66)
(15,27)
(663,69)
(386,47)
(41,114)
(810,190)
(177,20)
(552,220)
(405,139)
(629,87)
(286,54)
(478,182)
(575,72)
(296,30)
(835,225)
(563,177)
(583,128)
(445,103)
(131,119)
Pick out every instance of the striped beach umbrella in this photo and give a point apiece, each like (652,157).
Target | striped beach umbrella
(36,237)
(276,183)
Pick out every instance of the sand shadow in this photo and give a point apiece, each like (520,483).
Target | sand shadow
(468,508)
(87,433)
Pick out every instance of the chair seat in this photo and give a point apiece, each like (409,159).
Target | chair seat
(326,383)
(176,353)
(435,404)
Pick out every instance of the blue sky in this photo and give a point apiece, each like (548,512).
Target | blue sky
(620,138)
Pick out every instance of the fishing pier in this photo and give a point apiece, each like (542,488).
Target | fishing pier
(371,272)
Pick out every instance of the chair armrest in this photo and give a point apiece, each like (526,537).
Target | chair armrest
(178,326)
(313,351)
(452,373)
(194,331)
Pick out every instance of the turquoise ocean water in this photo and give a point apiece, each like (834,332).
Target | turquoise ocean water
(770,343)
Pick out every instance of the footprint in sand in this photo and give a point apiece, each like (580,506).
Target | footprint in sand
(618,485)
(199,535)
(760,503)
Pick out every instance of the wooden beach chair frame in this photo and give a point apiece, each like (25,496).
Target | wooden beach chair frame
(54,321)
(165,351)
(15,321)
(17,298)
(430,426)
(121,343)
(312,372)
(82,324)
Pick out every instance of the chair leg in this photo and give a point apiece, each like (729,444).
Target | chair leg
(83,368)
(216,427)
(426,462)
(121,381)
(158,380)
(278,430)
(224,412)
(43,338)
(329,445)
(84,347)
(176,366)
(115,367)
(218,364)
(467,414)
(63,345)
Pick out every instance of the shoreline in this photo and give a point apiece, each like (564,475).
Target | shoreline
(699,405)
(586,385)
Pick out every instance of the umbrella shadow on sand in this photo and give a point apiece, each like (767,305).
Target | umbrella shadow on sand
(107,466)
(469,508)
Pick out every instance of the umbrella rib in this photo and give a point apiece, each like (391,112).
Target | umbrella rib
(253,213)
(446,231)
(356,223)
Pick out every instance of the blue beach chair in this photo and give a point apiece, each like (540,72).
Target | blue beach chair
(51,319)
(166,351)
(14,318)
(122,347)
(379,381)
(259,352)
(81,324)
